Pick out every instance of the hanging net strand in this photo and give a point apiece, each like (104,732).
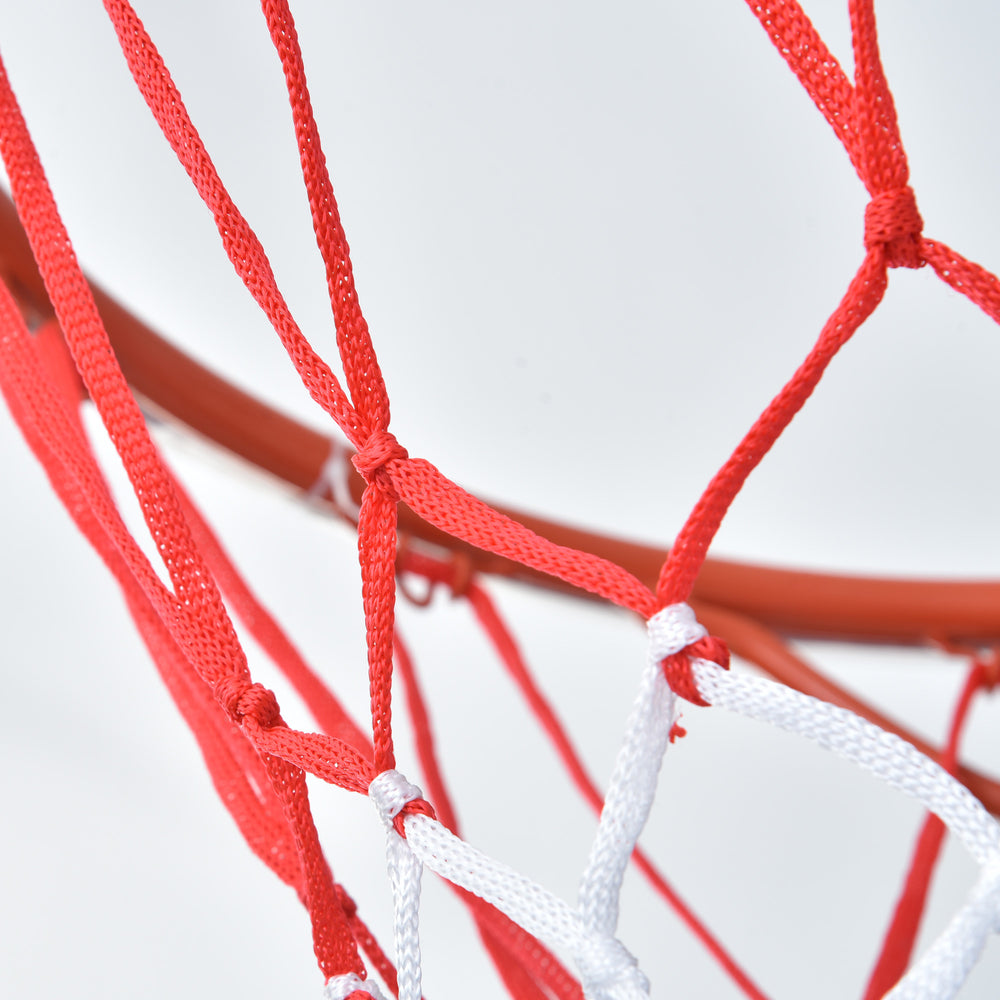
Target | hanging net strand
(892,239)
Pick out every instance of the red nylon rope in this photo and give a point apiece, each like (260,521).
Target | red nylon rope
(361,369)
(366,941)
(240,242)
(811,61)
(42,394)
(448,507)
(684,561)
(377,530)
(864,118)
(871,136)
(383,462)
(325,707)
(974,282)
(523,962)
(193,613)
(266,797)
(377,522)
(238,772)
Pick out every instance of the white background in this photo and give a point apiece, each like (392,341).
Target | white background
(591,242)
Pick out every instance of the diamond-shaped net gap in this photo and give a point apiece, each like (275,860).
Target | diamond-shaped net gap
(695,612)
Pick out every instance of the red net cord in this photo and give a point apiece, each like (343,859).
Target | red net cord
(234,766)
(523,962)
(269,808)
(41,388)
(192,610)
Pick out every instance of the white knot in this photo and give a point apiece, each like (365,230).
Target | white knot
(343,986)
(672,629)
(391,792)
(609,971)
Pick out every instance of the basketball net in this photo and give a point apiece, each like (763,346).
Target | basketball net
(541,945)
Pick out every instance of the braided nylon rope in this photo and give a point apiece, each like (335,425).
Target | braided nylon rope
(942,971)
(608,971)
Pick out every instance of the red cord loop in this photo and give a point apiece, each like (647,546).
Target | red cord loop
(247,701)
(677,666)
(892,221)
(414,806)
(374,455)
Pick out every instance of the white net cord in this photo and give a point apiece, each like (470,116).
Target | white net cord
(607,970)
(391,792)
(340,987)
(942,970)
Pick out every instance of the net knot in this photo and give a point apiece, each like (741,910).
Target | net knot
(242,700)
(395,799)
(676,637)
(351,986)
(608,970)
(347,903)
(374,455)
(892,221)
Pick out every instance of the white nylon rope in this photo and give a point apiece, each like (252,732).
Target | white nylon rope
(633,782)
(887,756)
(600,957)
(942,970)
(608,971)
(534,908)
(343,986)
(390,792)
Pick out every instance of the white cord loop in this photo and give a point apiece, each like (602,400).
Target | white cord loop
(943,969)
(529,905)
(672,629)
(899,764)
(608,971)
(632,787)
(340,987)
(390,793)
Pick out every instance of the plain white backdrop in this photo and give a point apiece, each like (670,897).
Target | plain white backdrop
(591,242)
